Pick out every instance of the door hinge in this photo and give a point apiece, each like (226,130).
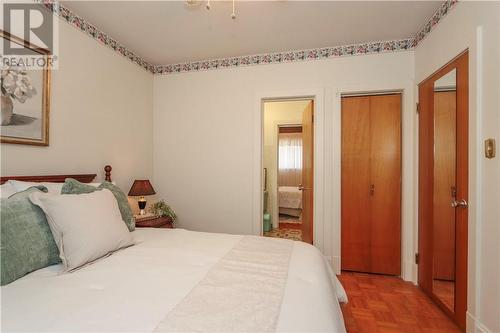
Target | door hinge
(312,118)
(418,108)
(417,258)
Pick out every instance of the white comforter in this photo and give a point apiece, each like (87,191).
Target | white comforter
(290,197)
(134,289)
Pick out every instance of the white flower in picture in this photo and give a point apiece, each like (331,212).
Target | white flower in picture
(25,97)
(16,84)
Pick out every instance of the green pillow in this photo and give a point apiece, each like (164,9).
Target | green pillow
(26,240)
(73,186)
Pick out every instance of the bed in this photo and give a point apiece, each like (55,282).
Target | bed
(175,280)
(290,200)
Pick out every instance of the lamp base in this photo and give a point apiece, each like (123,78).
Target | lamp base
(142,205)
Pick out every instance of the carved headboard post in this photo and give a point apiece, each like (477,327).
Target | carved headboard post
(107,170)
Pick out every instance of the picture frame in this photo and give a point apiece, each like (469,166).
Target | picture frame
(25,120)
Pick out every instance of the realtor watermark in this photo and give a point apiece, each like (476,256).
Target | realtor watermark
(29,36)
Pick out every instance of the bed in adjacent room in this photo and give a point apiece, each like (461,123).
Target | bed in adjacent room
(175,280)
(290,200)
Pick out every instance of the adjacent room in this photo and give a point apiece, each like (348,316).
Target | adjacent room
(288,147)
(250,166)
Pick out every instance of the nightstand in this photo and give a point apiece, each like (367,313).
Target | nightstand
(153,222)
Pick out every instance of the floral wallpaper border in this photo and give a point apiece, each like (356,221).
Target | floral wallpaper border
(288,56)
(435,19)
(84,26)
(270,58)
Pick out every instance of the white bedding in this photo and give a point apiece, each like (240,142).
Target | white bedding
(290,197)
(134,289)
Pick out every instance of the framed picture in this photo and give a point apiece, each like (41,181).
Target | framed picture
(25,98)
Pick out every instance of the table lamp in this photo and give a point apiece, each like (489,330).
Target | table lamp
(141,188)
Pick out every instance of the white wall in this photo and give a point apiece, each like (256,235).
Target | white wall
(476,26)
(204,137)
(101,113)
(275,114)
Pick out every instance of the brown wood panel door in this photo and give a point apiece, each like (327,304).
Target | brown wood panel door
(436,138)
(425,183)
(307,173)
(385,178)
(355,182)
(371,184)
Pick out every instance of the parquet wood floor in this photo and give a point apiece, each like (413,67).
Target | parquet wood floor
(384,304)
(293,234)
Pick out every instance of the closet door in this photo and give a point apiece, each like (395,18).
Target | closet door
(371,184)
(355,169)
(385,186)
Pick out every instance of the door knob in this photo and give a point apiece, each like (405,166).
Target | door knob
(460,203)
(301,188)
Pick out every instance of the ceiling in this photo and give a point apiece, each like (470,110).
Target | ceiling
(168,32)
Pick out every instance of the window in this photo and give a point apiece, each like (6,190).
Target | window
(290,151)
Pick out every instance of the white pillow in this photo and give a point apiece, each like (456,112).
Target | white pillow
(86,227)
(6,190)
(51,187)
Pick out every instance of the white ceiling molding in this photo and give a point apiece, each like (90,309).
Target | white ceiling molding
(84,26)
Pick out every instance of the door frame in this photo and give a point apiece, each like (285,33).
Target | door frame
(409,169)
(318,98)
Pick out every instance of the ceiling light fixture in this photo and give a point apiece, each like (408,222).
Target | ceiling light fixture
(192,3)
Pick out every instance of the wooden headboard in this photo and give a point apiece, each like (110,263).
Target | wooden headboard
(84,178)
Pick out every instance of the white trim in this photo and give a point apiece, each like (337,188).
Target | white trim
(475,326)
(318,95)
(480,328)
(372,93)
(415,182)
(474,257)
(336,264)
(408,169)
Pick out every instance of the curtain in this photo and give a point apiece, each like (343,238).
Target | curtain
(290,159)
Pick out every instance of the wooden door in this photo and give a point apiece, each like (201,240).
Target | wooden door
(355,182)
(385,178)
(371,184)
(427,194)
(307,173)
(425,184)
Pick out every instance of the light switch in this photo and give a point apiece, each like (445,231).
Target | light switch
(489,148)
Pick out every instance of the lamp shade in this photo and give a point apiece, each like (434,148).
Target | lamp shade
(141,187)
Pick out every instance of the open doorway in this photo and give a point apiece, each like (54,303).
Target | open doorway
(288,169)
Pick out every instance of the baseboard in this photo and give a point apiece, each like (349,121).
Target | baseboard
(335,261)
(409,269)
(475,326)
(482,329)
